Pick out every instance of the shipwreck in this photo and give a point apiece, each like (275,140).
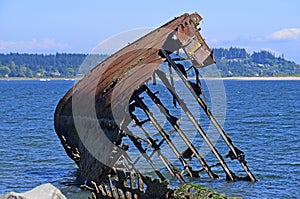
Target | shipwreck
(108,115)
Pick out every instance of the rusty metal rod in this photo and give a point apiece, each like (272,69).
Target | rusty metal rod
(163,133)
(155,147)
(151,155)
(209,114)
(162,158)
(126,157)
(172,169)
(225,138)
(172,82)
(198,127)
(165,111)
(138,145)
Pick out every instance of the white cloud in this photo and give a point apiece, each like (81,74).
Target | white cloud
(287,34)
(32,45)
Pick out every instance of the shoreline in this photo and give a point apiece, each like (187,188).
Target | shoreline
(37,79)
(204,78)
(287,78)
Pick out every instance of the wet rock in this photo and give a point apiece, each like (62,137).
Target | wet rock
(44,191)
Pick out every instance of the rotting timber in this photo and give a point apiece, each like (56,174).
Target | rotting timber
(98,119)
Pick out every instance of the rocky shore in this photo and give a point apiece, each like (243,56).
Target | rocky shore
(48,191)
(44,191)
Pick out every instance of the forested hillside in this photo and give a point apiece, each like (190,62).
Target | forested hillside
(230,62)
(41,65)
(237,62)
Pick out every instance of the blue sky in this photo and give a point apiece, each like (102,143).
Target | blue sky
(79,26)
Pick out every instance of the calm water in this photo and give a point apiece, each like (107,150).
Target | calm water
(263,119)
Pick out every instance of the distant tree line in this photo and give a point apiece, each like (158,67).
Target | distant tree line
(230,61)
(237,62)
(230,53)
(42,65)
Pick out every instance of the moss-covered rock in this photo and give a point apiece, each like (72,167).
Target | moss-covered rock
(195,191)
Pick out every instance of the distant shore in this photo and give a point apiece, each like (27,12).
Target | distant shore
(260,78)
(36,79)
(206,78)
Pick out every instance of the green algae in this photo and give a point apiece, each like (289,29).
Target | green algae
(195,191)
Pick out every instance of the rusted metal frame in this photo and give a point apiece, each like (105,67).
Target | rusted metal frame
(171,168)
(211,117)
(125,165)
(162,140)
(161,156)
(113,189)
(226,139)
(164,135)
(153,152)
(174,168)
(156,147)
(154,79)
(169,142)
(138,145)
(206,139)
(198,82)
(190,115)
(127,158)
(165,111)
(190,40)
(129,166)
(172,82)
(140,156)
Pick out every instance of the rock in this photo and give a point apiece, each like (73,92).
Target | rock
(44,191)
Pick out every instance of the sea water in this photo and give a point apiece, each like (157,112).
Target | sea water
(262,118)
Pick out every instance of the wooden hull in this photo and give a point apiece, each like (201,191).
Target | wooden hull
(89,117)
